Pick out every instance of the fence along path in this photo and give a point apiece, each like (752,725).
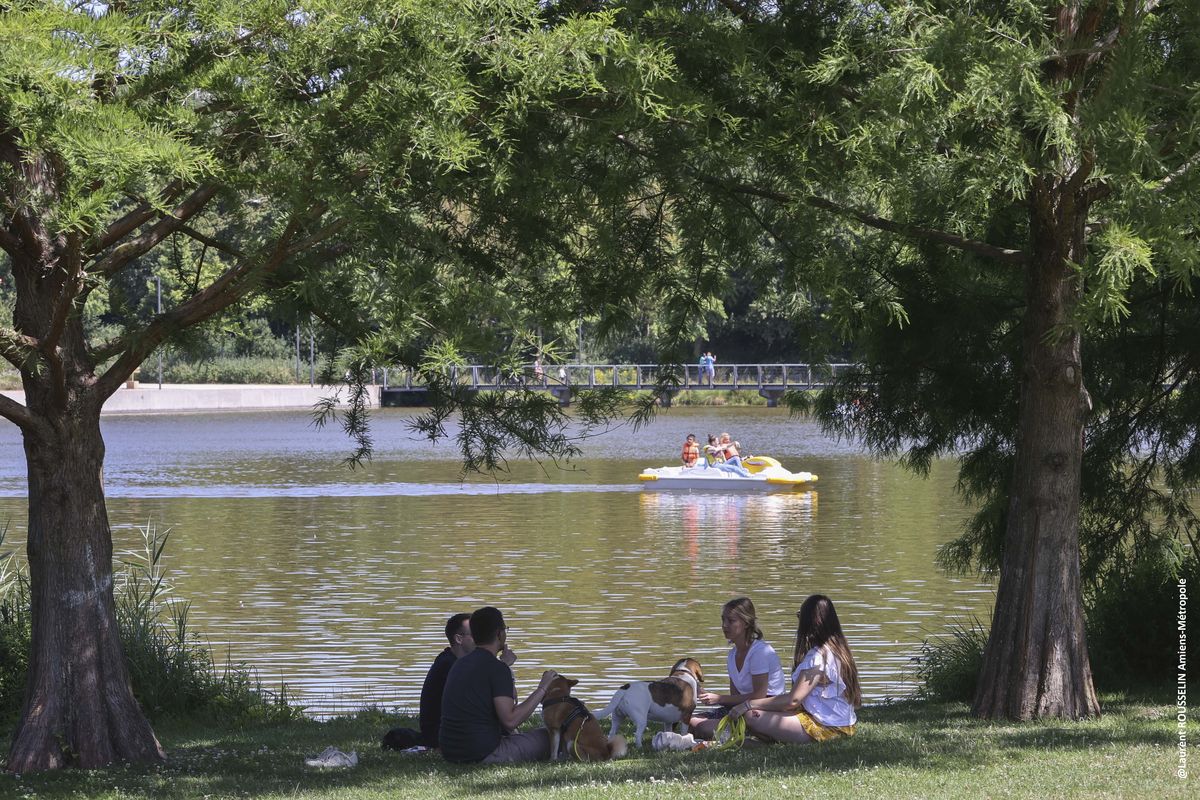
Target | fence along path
(402,387)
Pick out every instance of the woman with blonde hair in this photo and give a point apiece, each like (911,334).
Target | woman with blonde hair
(754,669)
(825,689)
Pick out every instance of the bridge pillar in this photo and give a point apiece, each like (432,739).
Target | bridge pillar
(773,396)
(562,394)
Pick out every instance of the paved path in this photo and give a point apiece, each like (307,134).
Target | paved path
(148,398)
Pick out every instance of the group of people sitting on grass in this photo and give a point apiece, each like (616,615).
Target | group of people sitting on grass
(469,708)
(720,452)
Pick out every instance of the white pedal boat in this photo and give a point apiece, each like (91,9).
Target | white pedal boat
(766,474)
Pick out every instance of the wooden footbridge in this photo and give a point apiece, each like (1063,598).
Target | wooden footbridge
(404,388)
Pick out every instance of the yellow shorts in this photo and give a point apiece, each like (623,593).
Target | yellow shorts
(822,733)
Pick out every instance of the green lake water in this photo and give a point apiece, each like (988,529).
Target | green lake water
(339,582)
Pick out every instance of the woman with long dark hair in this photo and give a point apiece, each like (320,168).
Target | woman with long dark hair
(825,689)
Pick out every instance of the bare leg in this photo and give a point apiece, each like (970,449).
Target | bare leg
(703,727)
(778,726)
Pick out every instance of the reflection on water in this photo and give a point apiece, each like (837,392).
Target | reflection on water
(339,582)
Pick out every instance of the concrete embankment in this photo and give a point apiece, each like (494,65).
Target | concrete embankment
(149,398)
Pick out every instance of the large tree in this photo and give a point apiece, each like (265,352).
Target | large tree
(1015,175)
(417,157)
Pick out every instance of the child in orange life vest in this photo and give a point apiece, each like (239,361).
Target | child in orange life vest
(691,451)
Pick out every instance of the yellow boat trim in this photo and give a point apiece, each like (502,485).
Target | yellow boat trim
(645,477)
(791,481)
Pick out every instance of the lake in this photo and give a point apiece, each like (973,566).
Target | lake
(339,582)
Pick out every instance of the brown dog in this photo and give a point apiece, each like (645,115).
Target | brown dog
(670,701)
(569,721)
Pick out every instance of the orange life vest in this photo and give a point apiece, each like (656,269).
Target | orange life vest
(691,452)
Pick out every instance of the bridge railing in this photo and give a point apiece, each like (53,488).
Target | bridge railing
(627,376)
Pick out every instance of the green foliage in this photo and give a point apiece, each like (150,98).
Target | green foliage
(230,369)
(731,397)
(1132,633)
(172,671)
(1132,616)
(15,620)
(947,667)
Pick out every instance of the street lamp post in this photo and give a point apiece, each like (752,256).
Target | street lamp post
(158,286)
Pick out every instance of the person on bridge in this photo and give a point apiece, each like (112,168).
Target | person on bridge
(706,367)
(691,451)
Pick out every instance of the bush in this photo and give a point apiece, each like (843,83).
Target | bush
(233,369)
(947,667)
(1131,631)
(171,670)
(1131,617)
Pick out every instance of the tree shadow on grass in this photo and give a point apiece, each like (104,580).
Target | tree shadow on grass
(270,760)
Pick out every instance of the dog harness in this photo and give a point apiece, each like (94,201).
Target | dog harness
(578,711)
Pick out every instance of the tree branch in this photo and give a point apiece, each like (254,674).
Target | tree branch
(209,241)
(72,285)
(17,348)
(229,288)
(16,413)
(739,10)
(1004,254)
(190,206)
(9,243)
(311,241)
(1178,173)
(135,218)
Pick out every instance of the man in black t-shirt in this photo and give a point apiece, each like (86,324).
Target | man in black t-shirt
(480,712)
(458,634)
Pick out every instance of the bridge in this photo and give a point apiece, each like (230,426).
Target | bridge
(771,381)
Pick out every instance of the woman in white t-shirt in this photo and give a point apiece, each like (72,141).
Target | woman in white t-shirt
(754,668)
(825,689)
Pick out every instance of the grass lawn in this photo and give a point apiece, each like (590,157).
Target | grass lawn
(903,750)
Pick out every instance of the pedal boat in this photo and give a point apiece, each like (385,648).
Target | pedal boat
(766,474)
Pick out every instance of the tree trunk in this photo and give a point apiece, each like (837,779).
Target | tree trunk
(79,706)
(1036,661)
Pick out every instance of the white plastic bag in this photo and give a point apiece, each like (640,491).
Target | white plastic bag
(669,740)
(332,757)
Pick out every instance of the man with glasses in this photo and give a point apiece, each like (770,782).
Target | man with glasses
(458,634)
(480,712)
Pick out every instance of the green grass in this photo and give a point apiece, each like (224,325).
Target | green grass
(726,397)
(910,749)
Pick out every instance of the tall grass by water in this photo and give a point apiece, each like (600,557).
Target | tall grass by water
(172,670)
